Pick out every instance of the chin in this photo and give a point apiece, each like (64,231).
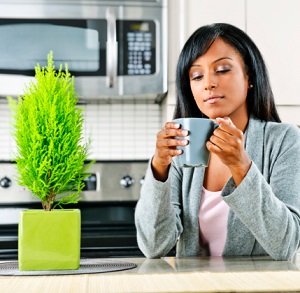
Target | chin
(216,113)
(213,115)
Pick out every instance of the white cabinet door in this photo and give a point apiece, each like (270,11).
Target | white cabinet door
(202,12)
(274,25)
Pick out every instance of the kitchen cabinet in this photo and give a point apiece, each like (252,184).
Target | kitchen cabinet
(274,26)
(202,12)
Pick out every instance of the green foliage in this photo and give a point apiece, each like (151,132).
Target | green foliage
(48,132)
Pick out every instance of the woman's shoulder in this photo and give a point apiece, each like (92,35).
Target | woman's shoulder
(275,136)
(282,129)
(276,129)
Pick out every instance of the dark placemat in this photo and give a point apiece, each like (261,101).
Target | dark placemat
(87,266)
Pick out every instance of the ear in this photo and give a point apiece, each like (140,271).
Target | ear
(250,84)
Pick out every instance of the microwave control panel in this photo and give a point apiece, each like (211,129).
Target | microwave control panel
(138,47)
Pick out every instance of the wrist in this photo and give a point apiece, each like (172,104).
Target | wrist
(240,172)
(160,171)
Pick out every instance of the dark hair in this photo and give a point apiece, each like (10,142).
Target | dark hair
(260,99)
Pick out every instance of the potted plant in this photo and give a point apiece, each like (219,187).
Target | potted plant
(50,162)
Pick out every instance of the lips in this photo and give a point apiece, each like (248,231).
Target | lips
(213,99)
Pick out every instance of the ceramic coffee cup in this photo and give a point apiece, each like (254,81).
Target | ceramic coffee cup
(195,154)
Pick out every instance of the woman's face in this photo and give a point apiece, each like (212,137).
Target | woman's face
(219,82)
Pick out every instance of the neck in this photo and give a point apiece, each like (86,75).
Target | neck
(240,121)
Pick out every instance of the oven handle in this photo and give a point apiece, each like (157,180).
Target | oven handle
(111,47)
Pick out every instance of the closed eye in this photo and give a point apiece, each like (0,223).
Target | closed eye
(198,77)
(221,71)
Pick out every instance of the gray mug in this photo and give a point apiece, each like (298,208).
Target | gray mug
(195,154)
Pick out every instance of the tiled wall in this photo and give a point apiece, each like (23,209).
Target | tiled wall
(117,131)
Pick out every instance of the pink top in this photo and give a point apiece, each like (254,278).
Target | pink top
(213,215)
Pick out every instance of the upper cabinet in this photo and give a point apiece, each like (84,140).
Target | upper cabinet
(202,12)
(274,25)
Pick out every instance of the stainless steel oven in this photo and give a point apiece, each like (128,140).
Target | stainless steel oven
(107,209)
(115,49)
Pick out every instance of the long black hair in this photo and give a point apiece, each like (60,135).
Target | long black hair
(260,99)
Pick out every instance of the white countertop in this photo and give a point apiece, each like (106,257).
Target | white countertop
(170,274)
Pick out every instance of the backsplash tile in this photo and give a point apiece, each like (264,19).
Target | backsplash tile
(117,131)
(6,143)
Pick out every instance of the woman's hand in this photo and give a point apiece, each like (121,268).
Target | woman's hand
(166,149)
(227,142)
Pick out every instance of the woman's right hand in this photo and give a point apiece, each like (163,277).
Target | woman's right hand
(166,149)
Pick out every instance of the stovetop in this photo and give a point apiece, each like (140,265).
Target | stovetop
(109,181)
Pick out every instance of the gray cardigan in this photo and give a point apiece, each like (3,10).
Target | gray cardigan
(264,216)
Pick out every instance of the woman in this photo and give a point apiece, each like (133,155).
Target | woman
(247,201)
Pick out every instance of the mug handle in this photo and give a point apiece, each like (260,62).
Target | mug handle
(216,125)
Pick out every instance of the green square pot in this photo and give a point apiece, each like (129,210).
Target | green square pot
(49,240)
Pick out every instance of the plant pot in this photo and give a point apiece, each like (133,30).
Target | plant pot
(49,240)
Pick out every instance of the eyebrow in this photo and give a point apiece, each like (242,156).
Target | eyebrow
(217,60)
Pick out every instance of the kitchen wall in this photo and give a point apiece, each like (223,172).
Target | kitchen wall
(117,131)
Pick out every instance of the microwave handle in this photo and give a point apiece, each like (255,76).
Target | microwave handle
(111,47)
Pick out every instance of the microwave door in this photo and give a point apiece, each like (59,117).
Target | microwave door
(80,43)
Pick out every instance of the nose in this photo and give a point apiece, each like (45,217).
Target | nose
(210,83)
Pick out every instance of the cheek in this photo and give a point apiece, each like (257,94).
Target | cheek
(242,89)
(197,92)
(239,88)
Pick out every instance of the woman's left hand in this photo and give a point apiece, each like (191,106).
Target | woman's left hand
(227,142)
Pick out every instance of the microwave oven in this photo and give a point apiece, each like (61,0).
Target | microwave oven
(114,49)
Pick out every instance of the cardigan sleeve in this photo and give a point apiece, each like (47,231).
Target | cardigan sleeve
(157,215)
(267,201)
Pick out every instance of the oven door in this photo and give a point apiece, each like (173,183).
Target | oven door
(107,229)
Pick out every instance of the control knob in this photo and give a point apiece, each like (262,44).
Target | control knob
(142,180)
(126,181)
(5,182)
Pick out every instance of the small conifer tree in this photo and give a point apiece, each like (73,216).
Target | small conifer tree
(48,132)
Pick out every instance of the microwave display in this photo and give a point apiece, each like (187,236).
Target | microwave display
(79,43)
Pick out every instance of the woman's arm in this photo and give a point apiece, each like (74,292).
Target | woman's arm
(157,215)
(268,204)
